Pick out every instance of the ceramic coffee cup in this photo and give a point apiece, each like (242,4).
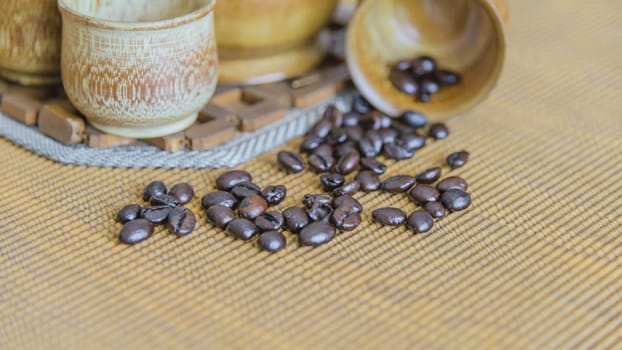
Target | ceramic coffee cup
(466,36)
(30,42)
(139,68)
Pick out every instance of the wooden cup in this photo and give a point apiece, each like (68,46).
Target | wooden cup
(466,36)
(139,68)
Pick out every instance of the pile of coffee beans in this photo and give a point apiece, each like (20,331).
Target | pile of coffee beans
(421,78)
(166,209)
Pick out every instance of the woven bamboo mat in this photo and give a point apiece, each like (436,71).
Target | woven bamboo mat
(535,263)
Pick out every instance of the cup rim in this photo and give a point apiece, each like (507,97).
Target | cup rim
(101,23)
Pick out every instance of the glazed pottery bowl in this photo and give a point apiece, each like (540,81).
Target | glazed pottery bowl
(139,68)
(466,36)
(268,40)
(30,42)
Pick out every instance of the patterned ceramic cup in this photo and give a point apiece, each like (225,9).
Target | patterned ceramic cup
(139,68)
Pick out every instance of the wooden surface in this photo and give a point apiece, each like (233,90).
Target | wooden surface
(535,263)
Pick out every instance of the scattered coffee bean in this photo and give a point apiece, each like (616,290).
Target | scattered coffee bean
(355,134)
(296,218)
(321,163)
(271,241)
(320,212)
(368,180)
(184,192)
(458,159)
(274,195)
(348,201)
(331,181)
(219,197)
(388,135)
(423,65)
(337,136)
(411,142)
(245,189)
(243,229)
(447,78)
(423,194)
(324,150)
(348,163)
(334,116)
(156,215)
(438,131)
(181,221)
(352,118)
(414,119)
(398,183)
(389,216)
(429,176)
(429,85)
(367,148)
(436,209)
(309,200)
(420,221)
(452,183)
(349,188)
(424,96)
(398,152)
(456,200)
(153,189)
(404,82)
(310,143)
(252,206)
(374,121)
(129,213)
(219,215)
(228,180)
(136,231)
(316,234)
(269,221)
(360,105)
(345,218)
(164,199)
(290,162)
(374,165)
(321,128)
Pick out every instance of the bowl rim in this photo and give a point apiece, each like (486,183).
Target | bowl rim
(69,12)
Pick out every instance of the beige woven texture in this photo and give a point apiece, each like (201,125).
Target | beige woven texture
(534,263)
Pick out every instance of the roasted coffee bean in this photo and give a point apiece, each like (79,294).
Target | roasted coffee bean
(355,133)
(345,148)
(348,201)
(345,218)
(374,165)
(184,192)
(331,181)
(243,229)
(219,197)
(438,131)
(252,206)
(386,121)
(271,241)
(424,96)
(153,189)
(404,82)
(164,199)
(452,183)
(129,213)
(290,162)
(414,119)
(348,163)
(269,221)
(376,139)
(316,234)
(324,150)
(404,65)
(296,218)
(367,148)
(360,105)
(228,180)
(219,215)
(321,128)
(334,116)
(337,136)
(318,205)
(320,163)
(420,221)
(349,188)
(373,121)
(352,118)
(320,212)
(411,142)
(458,159)
(397,151)
(245,189)
(156,215)
(388,135)
(181,221)
(274,195)
(430,85)
(310,143)
(136,231)
(423,65)
(429,176)
(368,180)
(422,194)
(389,216)
(436,209)
(309,200)
(456,200)
(397,184)
(402,128)
(448,78)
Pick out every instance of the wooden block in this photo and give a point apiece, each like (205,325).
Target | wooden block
(171,143)
(35,92)
(98,139)
(338,75)
(22,108)
(262,114)
(260,93)
(213,112)
(61,124)
(313,94)
(306,80)
(64,103)
(225,95)
(206,135)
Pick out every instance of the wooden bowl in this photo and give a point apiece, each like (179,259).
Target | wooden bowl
(30,42)
(466,36)
(261,41)
(139,68)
